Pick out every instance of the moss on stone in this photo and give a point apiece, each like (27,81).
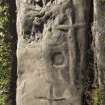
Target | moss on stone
(96,96)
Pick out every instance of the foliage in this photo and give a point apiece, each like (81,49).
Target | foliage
(4,51)
(2,98)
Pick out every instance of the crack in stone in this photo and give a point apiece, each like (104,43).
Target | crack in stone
(51,99)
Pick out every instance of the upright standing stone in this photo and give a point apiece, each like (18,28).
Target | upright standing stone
(52,50)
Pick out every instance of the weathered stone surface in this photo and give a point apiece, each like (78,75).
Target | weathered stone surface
(99,42)
(52,50)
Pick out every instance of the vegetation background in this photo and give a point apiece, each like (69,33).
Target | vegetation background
(7,51)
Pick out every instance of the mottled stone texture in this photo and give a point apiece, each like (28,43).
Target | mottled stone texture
(53,48)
